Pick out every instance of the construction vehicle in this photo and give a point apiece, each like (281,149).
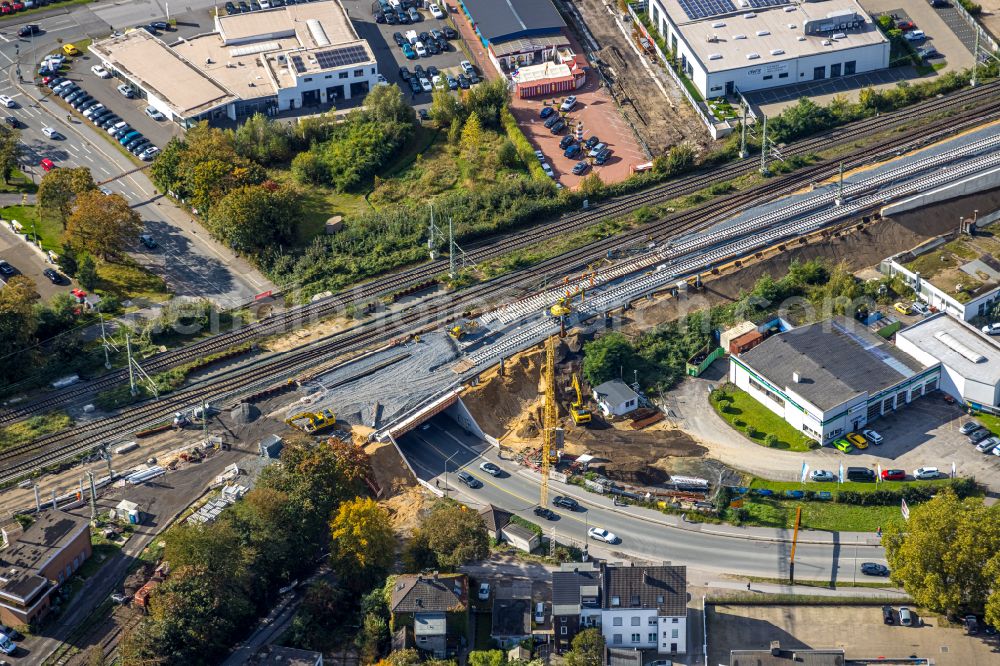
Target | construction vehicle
(580,415)
(461,330)
(314,422)
(562,308)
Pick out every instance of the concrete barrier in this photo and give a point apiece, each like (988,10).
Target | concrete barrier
(967,186)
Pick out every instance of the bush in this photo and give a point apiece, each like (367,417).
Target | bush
(770,440)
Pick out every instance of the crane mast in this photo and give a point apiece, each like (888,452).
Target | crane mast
(550,419)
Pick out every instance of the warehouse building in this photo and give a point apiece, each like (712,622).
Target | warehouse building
(729,45)
(970,360)
(832,377)
(516,33)
(293,57)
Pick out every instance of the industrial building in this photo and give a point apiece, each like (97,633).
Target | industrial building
(729,45)
(970,360)
(832,377)
(41,559)
(292,57)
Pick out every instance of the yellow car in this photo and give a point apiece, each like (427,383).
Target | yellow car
(70,50)
(902,308)
(857,440)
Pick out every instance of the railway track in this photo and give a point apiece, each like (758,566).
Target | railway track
(16,461)
(967,100)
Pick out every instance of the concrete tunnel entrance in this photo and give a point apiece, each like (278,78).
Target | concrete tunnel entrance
(450,405)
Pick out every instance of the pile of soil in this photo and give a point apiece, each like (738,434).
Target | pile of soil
(502,404)
(391,473)
(406,510)
(644,458)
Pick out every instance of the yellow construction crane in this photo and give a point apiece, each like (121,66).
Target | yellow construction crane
(580,415)
(550,419)
(314,421)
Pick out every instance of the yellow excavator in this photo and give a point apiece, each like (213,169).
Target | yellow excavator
(580,415)
(562,307)
(312,422)
(461,330)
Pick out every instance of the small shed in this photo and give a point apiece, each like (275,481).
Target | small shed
(616,398)
(734,332)
(521,537)
(129,511)
(495,520)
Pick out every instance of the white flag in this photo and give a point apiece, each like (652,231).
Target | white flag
(954,472)
(805,470)
(878,473)
(840,478)
(904,509)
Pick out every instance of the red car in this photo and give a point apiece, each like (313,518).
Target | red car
(906,25)
(6,9)
(18,6)
(893,475)
(47,164)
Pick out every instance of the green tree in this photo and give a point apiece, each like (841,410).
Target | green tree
(10,148)
(592,186)
(166,170)
(103,225)
(587,649)
(945,554)
(609,357)
(407,657)
(386,104)
(507,155)
(18,323)
(446,108)
(253,218)
(364,546)
(59,189)
(86,272)
(308,168)
(486,658)
(373,639)
(454,534)
(472,133)
(321,618)
(771,440)
(487,100)
(263,140)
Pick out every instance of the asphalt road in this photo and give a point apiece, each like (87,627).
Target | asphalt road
(191,262)
(645,534)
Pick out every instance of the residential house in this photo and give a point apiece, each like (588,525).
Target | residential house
(576,601)
(511,612)
(645,607)
(495,520)
(778,657)
(40,560)
(434,608)
(616,398)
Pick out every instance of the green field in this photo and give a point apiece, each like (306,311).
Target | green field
(825,516)
(48,228)
(781,486)
(741,409)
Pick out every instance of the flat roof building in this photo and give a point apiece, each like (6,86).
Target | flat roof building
(284,58)
(970,360)
(831,377)
(517,32)
(38,561)
(729,45)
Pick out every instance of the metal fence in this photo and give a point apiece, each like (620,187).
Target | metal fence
(984,36)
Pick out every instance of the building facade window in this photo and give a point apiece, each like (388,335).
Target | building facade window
(616,639)
(770,394)
(652,620)
(359,73)
(819,72)
(651,638)
(783,75)
(636,620)
(563,630)
(635,638)
(342,75)
(834,70)
(673,633)
(850,67)
(617,622)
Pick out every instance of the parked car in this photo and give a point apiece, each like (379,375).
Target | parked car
(580,167)
(928,52)
(906,25)
(893,475)
(52,275)
(550,121)
(100,72)
(413,14)
(874,569)
(436,11)
(914,35)
(822,475)
(463,82)
(546,112)
(925,473)
(843,445)
(47,164)
(28,30)
(873,437)
(992,329)
(425,85)
(901,308)
(566,502)
(602,156)
(572,151)
(602,534)
(857,440)
(70,50)
(566,142)
(484,591)
(12,121)
(469,480)
(591,141)
(979,435)
(559,126)
(6,268)
(969,427)
(988,444)
(126,91)
(449,32)
(467,67)
(547,168)
(490,468)
(905,616)
(7,646)
(568,103)
(887,615)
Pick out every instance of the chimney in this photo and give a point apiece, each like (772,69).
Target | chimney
(796,378)
(775,648)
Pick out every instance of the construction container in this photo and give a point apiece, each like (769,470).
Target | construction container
(698,363)
(141,598)
(746,342)
(736,331)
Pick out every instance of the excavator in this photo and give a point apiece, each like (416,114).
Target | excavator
(461,330)
(314,421)
(562,308)
(580,415)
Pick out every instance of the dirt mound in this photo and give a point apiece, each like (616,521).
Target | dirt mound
(391,473)
(499,403)
(406,510)
(634,457)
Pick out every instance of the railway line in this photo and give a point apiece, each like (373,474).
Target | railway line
(383,327)
(975,105)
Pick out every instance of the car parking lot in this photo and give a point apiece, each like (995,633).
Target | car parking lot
(390,56)
(28,262)
(859,630)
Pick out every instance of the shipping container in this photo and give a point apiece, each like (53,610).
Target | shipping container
(746,342)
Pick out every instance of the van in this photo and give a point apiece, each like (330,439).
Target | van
(905,617)
(540,612)
(860,474)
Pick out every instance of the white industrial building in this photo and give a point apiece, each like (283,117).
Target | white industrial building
(292,57)
(970,360)
(832,377)
(729,45)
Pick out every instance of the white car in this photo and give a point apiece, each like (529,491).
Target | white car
(7,646)
(602,535)
(568,103)
(89,113)
(380,81)
(126,91)
(7,101)
(51,133)
(490,468)
(872,437)
(436,11)
(439,81)
(926,473)
(484,591)
(100,72)
(540,155)
(425,85)
(54,60)
(548,170)
(467,67)
(420,49)
(914,35)
(992,329)
(823,475)
(153,113)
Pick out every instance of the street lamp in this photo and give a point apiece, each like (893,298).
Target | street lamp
(446,460)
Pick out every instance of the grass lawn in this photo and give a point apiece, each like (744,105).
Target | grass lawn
(18,183)
(48,228)
(991,422)
(319,204)
(827,516)
(741,409)
(781,486)
(27,430)
(129,280)
(422,139)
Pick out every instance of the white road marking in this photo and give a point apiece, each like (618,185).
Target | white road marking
(5,39)
(102,168)
(88,157)
(73,148)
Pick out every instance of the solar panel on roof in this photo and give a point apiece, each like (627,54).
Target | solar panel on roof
(298,64)
(760,4)
(349,55)
(699,9)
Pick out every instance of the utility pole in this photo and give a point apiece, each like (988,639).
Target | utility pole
(451,249)
(38,498)
(131,370)
(743,135)
(204,417)
(763,150)
(975,60)
(433,234)
(840,186)
(93,496)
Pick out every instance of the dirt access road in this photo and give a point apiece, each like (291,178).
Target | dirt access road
(661,120)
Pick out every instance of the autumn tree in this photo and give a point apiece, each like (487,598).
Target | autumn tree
(104,225)
(364,546)
(486,658)
(453,534)
(59,189)
(472,133)
(18,322)
(587,649)
(10,147)
(252,218)
(947,555)
(373,638)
